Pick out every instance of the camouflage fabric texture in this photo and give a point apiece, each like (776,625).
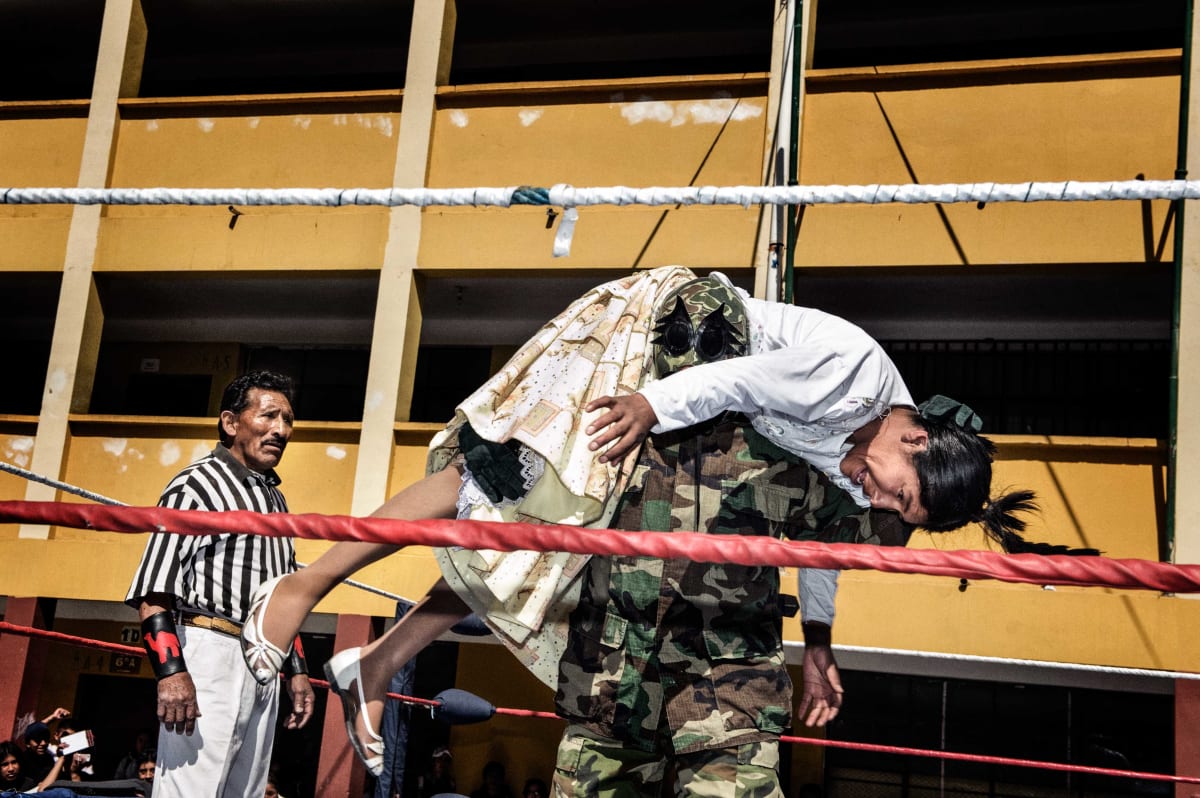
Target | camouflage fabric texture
(693,320)
(588,766)
(691,651)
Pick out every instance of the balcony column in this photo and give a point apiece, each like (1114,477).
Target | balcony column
(75,344)
(397,329)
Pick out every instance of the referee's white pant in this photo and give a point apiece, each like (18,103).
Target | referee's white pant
(229,753)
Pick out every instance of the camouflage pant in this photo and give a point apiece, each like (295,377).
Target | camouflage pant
(590,766)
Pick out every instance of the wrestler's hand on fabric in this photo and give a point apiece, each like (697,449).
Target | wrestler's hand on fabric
(626,424)
(822,697)
(300,692)
(177,707)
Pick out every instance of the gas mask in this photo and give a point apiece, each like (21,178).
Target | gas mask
(702,321)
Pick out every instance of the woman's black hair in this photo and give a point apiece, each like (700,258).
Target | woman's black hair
(955,471)
(9,748)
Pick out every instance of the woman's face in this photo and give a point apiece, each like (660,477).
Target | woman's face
(146,771)
(880,461)
(10,769)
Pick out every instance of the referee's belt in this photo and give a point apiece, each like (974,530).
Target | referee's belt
(210,622)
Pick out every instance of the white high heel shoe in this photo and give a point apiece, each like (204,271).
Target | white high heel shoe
(263,658)
(345,679)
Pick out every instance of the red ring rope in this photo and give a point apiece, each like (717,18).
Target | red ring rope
(844,744)
(745,550)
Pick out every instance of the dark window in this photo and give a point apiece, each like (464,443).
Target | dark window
(49,48)
(213,47)
(1098,728)
(445,376)
(26,327)
(330,383)
(547,40)
(877,32)
(1046,387)
(167,394)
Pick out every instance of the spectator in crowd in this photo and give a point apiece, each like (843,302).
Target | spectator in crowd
(494,784)
(67,725)
(440,777)
(127,768)
(535,788)
(13,780)
(78,764)
(145,766)
(37,759)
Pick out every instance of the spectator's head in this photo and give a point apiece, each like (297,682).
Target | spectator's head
(145,766)
(535,788)
(493,777)
(142,741)
(272,791)
(37,737)
(256,419)
(10,764)
(65,726)
(441,760)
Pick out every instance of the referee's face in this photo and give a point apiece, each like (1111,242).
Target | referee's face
(260,433)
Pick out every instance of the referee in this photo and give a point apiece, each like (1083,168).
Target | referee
(193,593)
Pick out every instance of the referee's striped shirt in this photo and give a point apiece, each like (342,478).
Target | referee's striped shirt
(215,574)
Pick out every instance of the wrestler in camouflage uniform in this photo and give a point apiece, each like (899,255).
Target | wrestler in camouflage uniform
(682,662)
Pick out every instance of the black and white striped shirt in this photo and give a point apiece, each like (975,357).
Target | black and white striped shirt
(215,574)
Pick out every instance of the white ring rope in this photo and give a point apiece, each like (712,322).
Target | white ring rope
(564,195)
(569,198)
(66,487)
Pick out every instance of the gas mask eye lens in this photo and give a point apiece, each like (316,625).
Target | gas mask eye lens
(677,338)
(710,344)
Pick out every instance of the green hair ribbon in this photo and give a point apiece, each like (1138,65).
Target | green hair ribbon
(949,411)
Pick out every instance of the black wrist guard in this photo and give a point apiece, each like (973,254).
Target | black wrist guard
(162,645)
(295,663)
(817,633)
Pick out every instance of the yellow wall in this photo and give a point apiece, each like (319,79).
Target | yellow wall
(665,136)
(1064,130)
(250,146)
(37,152)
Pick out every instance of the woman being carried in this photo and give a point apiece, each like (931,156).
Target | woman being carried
(521,448)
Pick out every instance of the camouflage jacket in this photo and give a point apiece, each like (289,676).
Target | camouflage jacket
(693,651)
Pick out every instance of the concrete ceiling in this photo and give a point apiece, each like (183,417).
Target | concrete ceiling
(255,46)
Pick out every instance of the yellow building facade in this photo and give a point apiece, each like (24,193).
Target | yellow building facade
(129,320)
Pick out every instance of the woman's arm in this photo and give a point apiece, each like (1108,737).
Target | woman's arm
(55,770)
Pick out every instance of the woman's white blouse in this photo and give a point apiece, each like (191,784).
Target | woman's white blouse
(810,379)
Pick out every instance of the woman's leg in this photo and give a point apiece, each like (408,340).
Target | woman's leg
(295,595)
(433,615)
